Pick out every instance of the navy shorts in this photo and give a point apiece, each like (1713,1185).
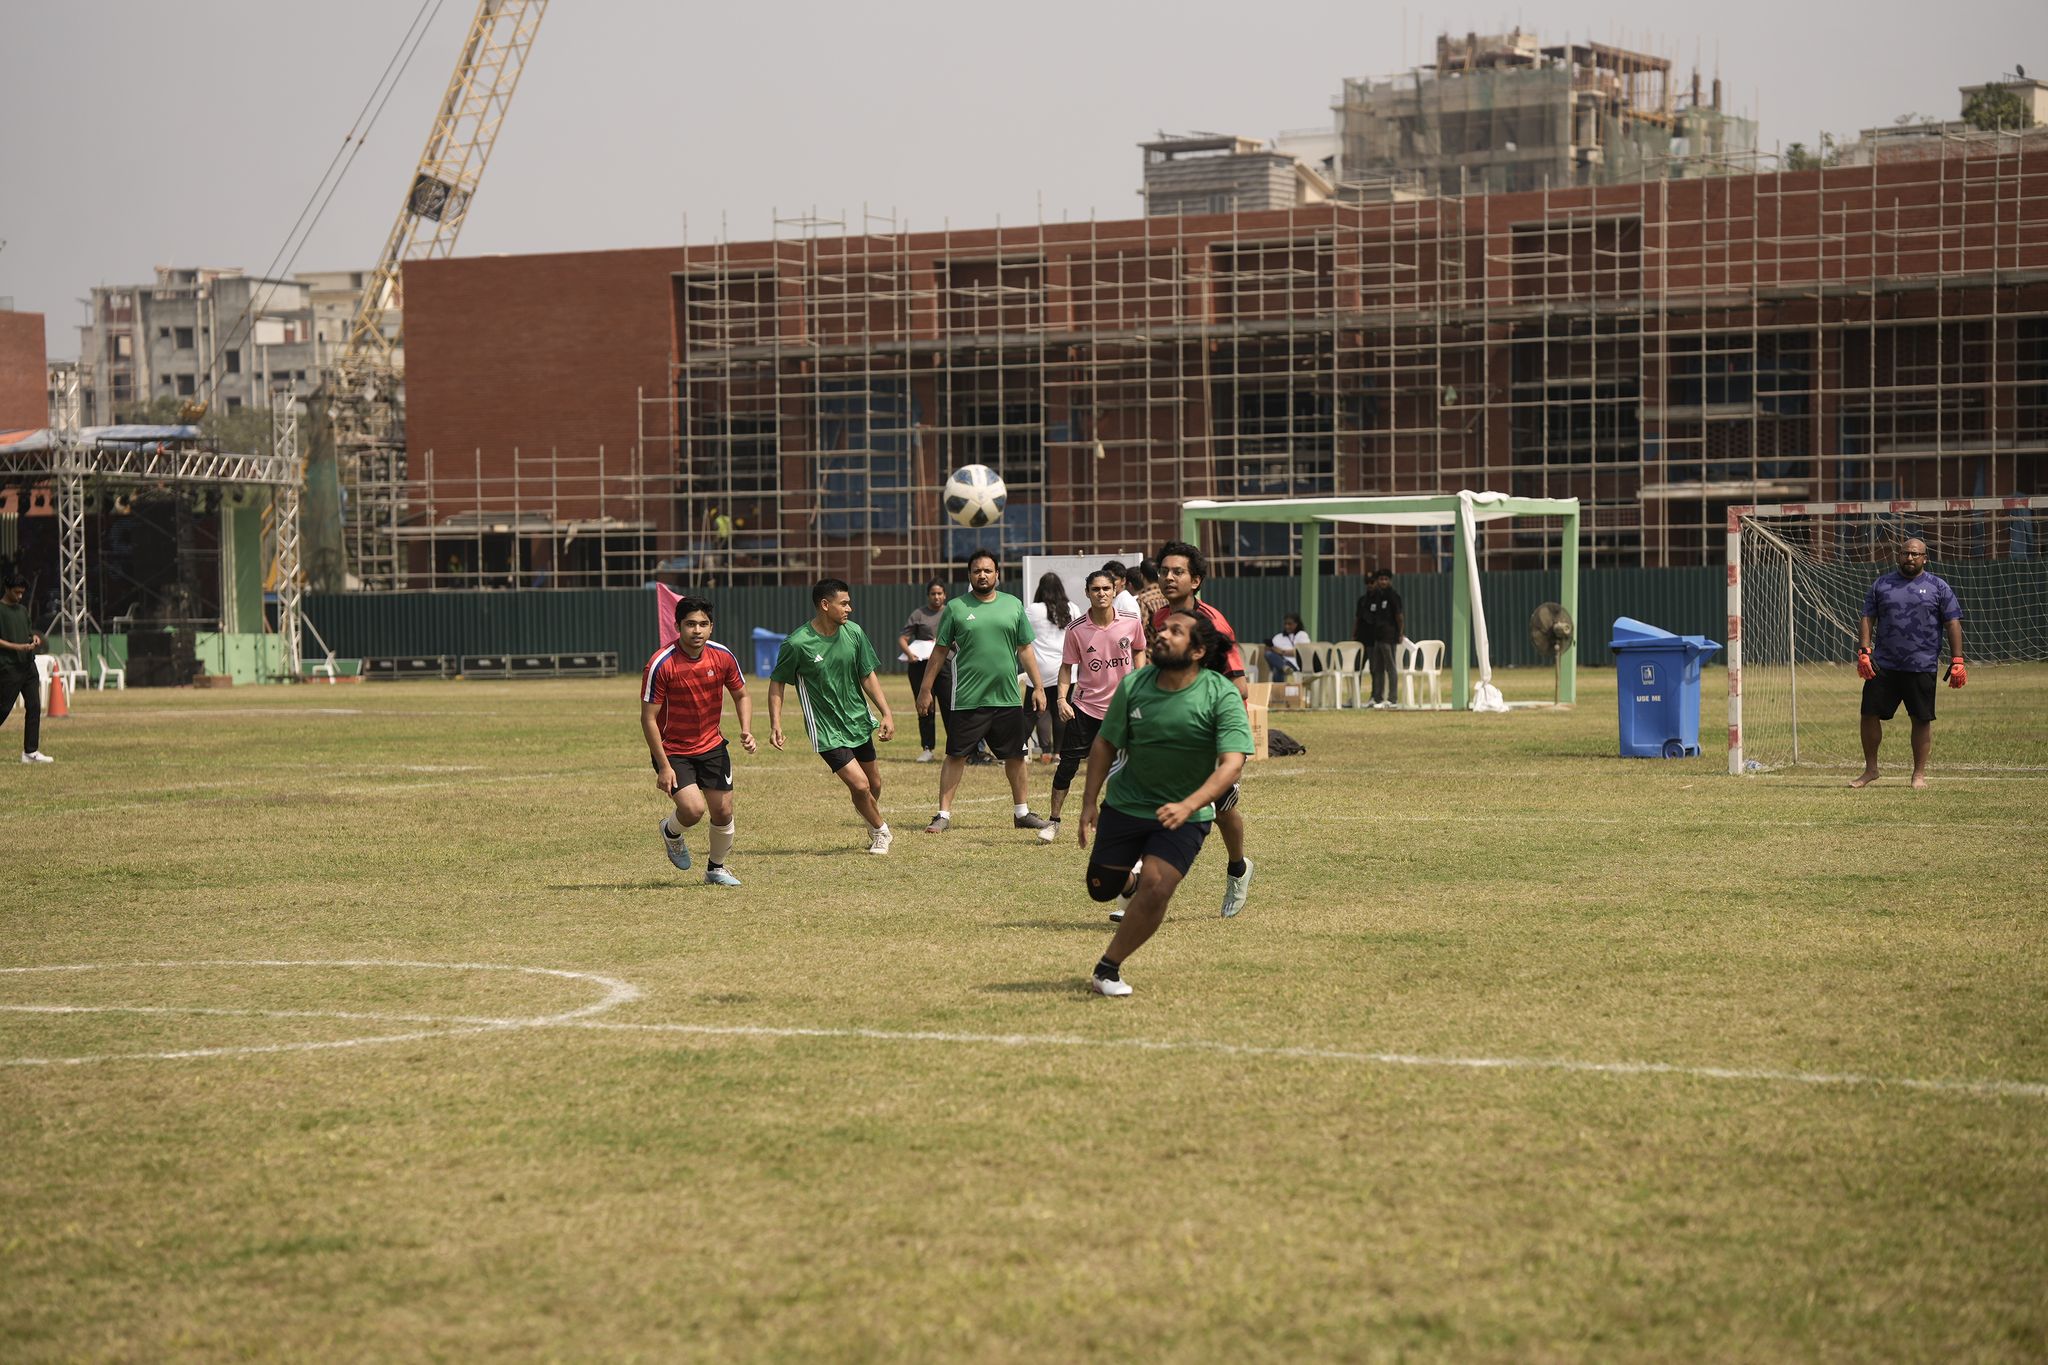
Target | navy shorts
(1883,693)
(1121,840)
(710,770)
(835,759)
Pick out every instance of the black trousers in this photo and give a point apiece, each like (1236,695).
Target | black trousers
(30,691)
(927,726)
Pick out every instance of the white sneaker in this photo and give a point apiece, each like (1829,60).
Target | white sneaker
(924,755)
(878,839)
(1103,985)
(1236,890)
(1050,833)
(37,756)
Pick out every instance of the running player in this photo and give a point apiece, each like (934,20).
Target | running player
(833,666)
(682,695)
(1173,740)
(988,637)
(1181,571)
(1105,648)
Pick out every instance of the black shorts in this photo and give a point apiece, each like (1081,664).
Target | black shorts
(1002,726)
(710,770)
(1228,801)
(1081,732)
(1121,840)
(1883,693)
(835,759)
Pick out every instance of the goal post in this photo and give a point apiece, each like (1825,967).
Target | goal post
(1797,575)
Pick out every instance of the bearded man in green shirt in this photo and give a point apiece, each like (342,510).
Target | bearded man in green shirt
(989,639)
(1174,739)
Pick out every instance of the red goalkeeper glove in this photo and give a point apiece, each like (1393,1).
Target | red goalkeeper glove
(1957,674)
(1864,669)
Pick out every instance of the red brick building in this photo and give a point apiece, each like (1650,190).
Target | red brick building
(1659,350)
(24,372)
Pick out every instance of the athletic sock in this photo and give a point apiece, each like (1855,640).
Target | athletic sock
(882,828)
(1023,808)
(721,842)
(1107,970)
(668,827)
(944,815)
(1236,868)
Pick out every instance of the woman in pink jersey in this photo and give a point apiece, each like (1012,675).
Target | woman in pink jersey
(1104,649)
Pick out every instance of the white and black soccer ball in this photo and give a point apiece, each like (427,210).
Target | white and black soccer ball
(975,495)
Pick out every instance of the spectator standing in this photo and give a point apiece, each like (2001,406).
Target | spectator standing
(922,629)
(1050,613)
(1380,625)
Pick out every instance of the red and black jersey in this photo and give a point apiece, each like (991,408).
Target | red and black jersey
(1233,662)
(692,695)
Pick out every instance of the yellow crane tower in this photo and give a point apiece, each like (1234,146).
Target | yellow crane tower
(363,386)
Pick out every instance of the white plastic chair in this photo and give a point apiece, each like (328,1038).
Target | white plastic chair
(1318,676)
(1347,672)
(1419,660)
(74,673)
(45,666)
(119,675)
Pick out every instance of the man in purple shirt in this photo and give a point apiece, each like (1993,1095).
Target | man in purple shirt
(1904,615)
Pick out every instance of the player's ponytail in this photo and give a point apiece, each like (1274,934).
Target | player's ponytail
(1214,644)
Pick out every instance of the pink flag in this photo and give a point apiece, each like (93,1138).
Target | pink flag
(665,599)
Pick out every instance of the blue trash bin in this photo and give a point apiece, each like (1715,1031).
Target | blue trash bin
(767,644)
(1658,686)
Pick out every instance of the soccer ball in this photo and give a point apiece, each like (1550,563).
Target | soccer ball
(975,495)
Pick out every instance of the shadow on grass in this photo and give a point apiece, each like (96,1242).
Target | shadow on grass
(666,884)
(1098,925)
(1075,986)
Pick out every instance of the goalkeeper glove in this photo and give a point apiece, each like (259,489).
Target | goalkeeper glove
(1957,674)
(1864,669)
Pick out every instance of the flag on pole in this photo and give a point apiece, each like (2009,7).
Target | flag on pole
(665,599)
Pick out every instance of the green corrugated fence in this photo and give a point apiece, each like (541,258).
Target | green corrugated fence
(622,620)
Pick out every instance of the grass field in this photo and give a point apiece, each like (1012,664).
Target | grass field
(1521,1051)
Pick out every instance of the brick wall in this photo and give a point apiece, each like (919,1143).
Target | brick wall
(24,373)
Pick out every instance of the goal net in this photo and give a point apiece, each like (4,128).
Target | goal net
(1797,578)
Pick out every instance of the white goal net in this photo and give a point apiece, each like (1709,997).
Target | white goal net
(1797,578)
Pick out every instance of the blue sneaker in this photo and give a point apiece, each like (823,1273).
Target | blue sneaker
(718,876)
(678,851)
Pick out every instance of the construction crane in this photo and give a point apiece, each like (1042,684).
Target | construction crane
(363,385)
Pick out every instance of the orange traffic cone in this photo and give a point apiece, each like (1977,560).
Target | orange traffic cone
(58,705)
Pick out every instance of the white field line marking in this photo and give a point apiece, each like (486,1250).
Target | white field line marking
(1682,822)
(620,992)
(617,993)
(2006,1089)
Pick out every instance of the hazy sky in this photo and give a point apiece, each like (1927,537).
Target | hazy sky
(142,132)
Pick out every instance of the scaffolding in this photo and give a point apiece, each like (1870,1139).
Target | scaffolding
(1659,350)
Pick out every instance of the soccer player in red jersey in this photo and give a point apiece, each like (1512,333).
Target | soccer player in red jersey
(1182,567)
(682,694)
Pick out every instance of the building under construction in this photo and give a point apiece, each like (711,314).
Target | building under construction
(771,410)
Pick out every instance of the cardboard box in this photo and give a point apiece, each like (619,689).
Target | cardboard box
(1289,697)
(1259,706)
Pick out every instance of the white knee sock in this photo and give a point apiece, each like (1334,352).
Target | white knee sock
(721,841)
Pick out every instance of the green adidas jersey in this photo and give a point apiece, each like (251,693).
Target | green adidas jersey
(1168,742)
(827,671)
(984,638)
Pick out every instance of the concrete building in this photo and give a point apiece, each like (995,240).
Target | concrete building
(197,333)
(1502,112)
(1659,350)
(1203,173)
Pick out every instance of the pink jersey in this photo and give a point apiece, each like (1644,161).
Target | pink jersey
(1106,655)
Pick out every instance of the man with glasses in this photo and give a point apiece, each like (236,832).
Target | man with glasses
(1905,614)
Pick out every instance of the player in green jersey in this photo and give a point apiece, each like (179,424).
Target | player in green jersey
(1174,739)
(989,639)
(833,666)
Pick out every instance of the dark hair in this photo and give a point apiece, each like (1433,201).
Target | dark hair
(985,553)
(1052,595)
(1114,568)
(1203,634)
(686,605)
(1378,574)
(1293,616)
(1198,566)
(1103,572)
(936,583)
(14,580)
(1145,571)
(825,589)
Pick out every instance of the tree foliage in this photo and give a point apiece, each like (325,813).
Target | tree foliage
(1997,107)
